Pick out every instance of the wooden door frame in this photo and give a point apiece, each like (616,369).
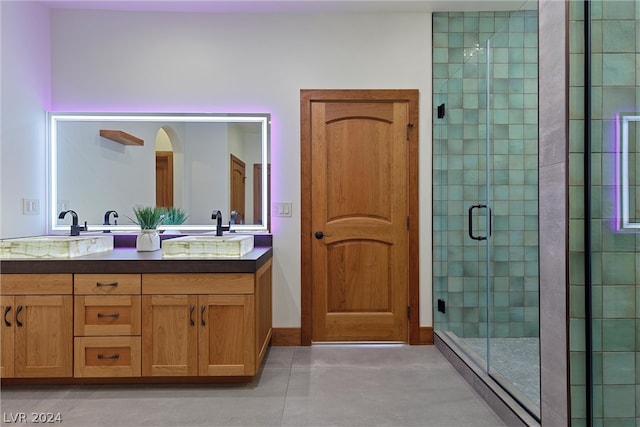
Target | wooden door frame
(307,96)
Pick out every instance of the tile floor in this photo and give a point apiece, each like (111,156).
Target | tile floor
(327,385)
(517,360)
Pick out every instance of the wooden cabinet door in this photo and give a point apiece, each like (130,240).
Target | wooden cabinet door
(7,328)
(226,335)
(169,335)
(43,328)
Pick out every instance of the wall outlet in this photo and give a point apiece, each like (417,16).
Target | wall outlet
(281,209)
(30,206)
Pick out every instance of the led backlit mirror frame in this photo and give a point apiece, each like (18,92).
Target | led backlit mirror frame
(264,119)
(624,221)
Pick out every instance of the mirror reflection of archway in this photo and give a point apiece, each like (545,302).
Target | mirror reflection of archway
(164,169)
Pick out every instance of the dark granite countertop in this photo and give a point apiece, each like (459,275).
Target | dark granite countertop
(129,260)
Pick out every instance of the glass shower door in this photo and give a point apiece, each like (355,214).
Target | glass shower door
(511,263)
(485,216)
(462,209)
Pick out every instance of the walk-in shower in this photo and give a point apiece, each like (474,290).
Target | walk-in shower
(485,194)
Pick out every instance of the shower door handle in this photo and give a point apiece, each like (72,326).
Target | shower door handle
(471,208)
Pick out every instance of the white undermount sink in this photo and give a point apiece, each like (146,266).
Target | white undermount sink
(207,246)
(55,246)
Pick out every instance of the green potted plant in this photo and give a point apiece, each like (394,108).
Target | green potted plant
(148,218)
(173,216)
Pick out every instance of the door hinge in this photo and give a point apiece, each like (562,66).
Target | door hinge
(409,127)
(408,223)
(408,312)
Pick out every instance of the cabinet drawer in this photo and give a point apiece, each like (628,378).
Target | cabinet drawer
(106,284)
(107,315)
(107,357)
(36,284)
(198,283)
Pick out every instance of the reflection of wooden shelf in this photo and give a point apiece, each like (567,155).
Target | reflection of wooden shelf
(121,137)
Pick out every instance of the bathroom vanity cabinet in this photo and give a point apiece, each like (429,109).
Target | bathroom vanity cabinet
(220,323)
(129,316)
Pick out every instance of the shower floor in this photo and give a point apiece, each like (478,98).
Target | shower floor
(515,363)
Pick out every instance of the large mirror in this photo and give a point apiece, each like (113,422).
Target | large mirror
(199,163)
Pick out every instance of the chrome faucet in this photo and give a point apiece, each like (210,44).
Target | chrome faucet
(75,228)
(106,219)
(217,215)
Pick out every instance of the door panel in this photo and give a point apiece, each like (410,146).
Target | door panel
(360,277)
(360,210)
(351,156)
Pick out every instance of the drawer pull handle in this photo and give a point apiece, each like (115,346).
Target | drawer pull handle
(114,284)
(18,322)
(7,309)
(191,310)
(114,315)
(113,356)
(202,307)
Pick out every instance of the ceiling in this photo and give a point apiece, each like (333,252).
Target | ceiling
(293,6)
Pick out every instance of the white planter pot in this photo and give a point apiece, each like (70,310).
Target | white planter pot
(148,241)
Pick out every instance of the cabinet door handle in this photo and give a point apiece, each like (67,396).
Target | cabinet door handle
(112,356)
(191,310)
(114,315)
(18,310)
(7,309)
(114,284)
(202,308)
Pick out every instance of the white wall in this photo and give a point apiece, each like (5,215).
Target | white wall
(135,61)
(207,161)
(96,174)
(25,58)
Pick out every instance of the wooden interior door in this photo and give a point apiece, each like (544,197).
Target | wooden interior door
(359,215)
(238,177)
(257,194)
(164,178)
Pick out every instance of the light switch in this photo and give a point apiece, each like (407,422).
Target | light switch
(30,206)
(281,209)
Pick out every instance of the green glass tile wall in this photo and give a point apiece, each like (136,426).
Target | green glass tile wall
(459,152)
(615,53)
